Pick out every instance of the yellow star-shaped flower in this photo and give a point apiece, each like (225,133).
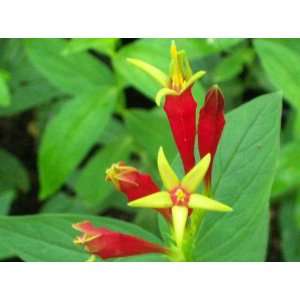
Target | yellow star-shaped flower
(180,195)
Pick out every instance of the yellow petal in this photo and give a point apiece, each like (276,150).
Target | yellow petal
(167,174)
(156,200)
(198,75)
(179,218)
(154,72)
(162,93)
(199,201)
(193,178)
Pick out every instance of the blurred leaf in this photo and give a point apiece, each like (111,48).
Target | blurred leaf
(282,64)
(105,46)
(290,233)
(70,135)
(49,237)
(28,88)
(4,91)
(156,52)
(5,252)
(243,173)
(232,65)
(73,74)
(113,131)
(62,203)
(288,170)
(6,199)
(13,175)
(91,186)
(150,129)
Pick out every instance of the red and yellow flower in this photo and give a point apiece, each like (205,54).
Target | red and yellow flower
(106,243)
(180,199)
(180,195)
(179,105)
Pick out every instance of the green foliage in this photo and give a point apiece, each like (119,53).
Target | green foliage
(70,135)
(72,74)
(150,130)
(288,175)
(290,230)
(104,46)
(13,175)
(69,108)
(281,63)
(4,90)
(90,185)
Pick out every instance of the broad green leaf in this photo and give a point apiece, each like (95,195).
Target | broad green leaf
(70,135)
(288,170)
(91,186)
(282,64)
(73,74)
(4,91)
(6,199)
(13,175)
(290,232)
(105,46)
(156,52)
(150,130)
(49,237)
(244,170)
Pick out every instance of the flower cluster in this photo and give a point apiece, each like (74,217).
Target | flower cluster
(180,201)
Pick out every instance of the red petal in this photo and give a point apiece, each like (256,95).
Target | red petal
(181,112)
(135,184)
(210,126)
(106,243)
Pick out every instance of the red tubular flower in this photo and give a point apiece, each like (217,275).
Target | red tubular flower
(210,126)
(180,105)
(181,112)
(106,243)
(133,183)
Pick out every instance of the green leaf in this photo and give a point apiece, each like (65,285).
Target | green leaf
(73,74)
(290,232)
(13,175)
(288,170)
(150,130)
(232,65)
(6,199)
(282,64)
(91,186)
(28,87)
(49,237)
(70,135)
(157,53)
(104,46)
(4,91)
(62,203)
(244,170)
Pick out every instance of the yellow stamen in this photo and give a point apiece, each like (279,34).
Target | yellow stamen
(117,173)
